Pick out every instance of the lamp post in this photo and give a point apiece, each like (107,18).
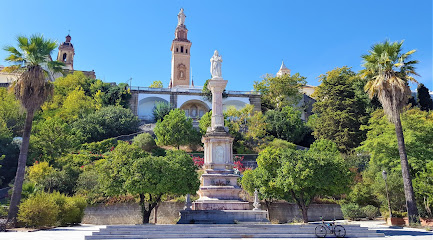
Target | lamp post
(385,175)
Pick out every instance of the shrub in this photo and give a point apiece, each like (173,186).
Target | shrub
(51,209)
(280,143)
(160,110)
(39,171)
(73,210)
(3,211)
(145,141)
(39,211)
(107,122)
(352,211)
(88,185)
(370,211)
(100,147)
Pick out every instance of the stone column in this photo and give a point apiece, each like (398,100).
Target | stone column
(217,86)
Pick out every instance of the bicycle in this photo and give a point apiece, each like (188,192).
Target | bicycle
(321,230)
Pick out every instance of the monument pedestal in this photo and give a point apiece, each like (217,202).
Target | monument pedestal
(219,200)
(222,216)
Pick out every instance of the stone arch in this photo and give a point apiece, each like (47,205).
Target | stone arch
(194,109)
(146,105)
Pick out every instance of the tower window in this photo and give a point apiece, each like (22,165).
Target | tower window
(64,57)
(186,50)
(177,49)
(181,49)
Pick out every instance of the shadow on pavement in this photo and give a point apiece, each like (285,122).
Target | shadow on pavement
(392,232)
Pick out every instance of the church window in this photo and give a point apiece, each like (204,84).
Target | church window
(186,50)
(64,57)
(181,49)
(177,49)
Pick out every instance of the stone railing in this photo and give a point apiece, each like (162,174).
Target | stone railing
(188,90)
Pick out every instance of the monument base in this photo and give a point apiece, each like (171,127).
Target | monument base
(220,205)
(222,216)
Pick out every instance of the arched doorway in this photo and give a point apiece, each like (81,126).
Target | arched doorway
(194,109)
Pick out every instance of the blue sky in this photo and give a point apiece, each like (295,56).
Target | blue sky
(132,39)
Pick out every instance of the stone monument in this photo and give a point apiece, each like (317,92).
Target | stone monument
(219,200)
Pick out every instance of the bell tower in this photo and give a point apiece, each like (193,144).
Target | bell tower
(180,54)
(283,70)
(66,53)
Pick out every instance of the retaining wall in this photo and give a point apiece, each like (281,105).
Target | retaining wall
(168,213)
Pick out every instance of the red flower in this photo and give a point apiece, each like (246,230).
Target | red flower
(198,161)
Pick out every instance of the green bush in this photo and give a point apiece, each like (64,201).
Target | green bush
(370,211)
(3,211)
(100,147)
(145,141)
(73,210)
(352,211)
(39,210)
(51,209)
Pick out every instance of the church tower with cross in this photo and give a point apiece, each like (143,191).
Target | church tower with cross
(66,53)
(180,55)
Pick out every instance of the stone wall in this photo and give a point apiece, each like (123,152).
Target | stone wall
(168,213)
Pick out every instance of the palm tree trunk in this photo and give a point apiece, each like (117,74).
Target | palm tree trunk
(19,177)
(412,210)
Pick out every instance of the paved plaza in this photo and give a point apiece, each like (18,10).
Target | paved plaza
(79,232)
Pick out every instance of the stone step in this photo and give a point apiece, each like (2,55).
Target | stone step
(221,231)
(192,227)
(225,235)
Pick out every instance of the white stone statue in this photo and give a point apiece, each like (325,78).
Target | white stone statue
(215,66)
(181,18)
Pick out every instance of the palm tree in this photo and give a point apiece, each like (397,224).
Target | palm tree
(389,72)
(33,59)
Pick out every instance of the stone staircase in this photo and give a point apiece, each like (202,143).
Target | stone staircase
(222,231)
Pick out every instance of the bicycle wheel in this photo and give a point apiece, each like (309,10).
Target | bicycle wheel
(339,231)
(320,231)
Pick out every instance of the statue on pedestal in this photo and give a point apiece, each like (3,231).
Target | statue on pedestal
(181,18)
(215,66)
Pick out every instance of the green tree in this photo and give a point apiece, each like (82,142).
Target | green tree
(11,113)
(51,139)
(324,145)
(156,84)
(32,89)
(149,177)
(76,105)
(111,121)
(8,155)
(175,130)
(207,94)
(305,175)
(389,71)
(145,141)
(339,111)
(424,99)
(424,189)
(205,122)
(382,146)
(247,121)
(285,124)
(160,110)
(278,92)
(117,95)
(264,177)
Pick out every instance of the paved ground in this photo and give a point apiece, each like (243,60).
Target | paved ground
(78,233)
